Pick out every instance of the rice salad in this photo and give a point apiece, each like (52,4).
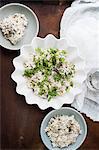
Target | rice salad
(48,72)
(13,27)
(63,130)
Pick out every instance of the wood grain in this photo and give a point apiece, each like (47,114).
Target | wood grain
(20,122)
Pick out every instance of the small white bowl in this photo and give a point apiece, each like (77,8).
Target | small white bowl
(31,30)
(48,42)
(64,111)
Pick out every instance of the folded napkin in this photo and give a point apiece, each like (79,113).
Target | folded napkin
(83,1)
(81,24)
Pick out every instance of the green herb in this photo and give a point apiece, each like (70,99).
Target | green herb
(52,93)
(57,77)
(42,91)
(62,60)
(45,62)
(53,51)
(29,72)
(54,60)
(38,50)
(64,52)
(71,84)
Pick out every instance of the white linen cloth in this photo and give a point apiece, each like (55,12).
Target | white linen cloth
(83,1)
(80,22)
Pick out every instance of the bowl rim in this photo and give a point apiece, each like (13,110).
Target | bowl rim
(33,13)
(66,108)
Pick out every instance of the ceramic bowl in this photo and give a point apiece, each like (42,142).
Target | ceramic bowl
(64,111)
(31,30)
(48,42)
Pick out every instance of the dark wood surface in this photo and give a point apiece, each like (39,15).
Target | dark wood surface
(20,122)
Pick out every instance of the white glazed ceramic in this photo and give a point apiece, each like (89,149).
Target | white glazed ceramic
(31,30)
(48,42)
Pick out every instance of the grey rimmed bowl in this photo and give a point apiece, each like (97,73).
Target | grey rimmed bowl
(31,30)
(64,111)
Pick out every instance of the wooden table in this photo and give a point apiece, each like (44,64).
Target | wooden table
(20,122)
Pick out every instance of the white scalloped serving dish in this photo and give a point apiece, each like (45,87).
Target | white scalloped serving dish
(48,42)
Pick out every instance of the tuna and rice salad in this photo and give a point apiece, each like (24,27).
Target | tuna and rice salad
(49,73)
(63,130)
(13,27)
